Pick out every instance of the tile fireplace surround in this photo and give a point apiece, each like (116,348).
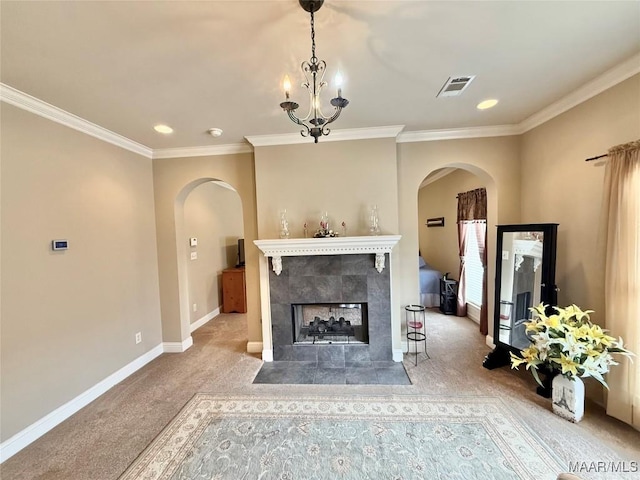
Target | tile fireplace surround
(326,270)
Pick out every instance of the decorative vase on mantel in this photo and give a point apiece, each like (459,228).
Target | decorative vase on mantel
(568,397)
(284,225)
(374,221)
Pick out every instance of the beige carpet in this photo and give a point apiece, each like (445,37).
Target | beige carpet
(103,439)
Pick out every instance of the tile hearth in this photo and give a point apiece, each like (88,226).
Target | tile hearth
(318,373)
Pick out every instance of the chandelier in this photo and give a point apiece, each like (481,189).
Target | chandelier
(315,123)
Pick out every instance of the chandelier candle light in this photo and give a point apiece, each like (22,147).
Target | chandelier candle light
(315,123)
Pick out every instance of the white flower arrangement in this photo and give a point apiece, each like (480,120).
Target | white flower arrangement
(568,342)
(324,232)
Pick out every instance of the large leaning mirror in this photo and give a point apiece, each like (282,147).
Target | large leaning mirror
(525,277)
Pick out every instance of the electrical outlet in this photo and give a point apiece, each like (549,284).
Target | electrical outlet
(505,254)
(195,307)
(138,337)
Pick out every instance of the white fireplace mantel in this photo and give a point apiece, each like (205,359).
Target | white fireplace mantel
(529,248)
(295,247)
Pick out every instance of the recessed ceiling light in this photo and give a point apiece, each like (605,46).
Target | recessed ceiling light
(487,104)
(215,132)
(166,129)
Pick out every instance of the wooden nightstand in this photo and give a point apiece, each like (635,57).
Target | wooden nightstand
(233,290)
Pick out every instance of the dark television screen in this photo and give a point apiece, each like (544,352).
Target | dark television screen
(240,252)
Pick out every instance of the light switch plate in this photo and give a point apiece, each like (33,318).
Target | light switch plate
(193,242)
(505,254)
(194,255)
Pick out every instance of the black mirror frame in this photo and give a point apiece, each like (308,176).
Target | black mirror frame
(500,357)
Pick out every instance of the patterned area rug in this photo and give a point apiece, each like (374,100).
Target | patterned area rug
(461,438)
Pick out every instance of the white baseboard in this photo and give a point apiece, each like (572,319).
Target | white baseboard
(201,321)
(473,312)
(398,354)
(267,355)
(254,347)
(13,445)
(489,341)
(177,347)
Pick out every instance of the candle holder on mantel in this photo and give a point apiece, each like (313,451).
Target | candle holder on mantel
(374,227)
(284,225)
(324,231)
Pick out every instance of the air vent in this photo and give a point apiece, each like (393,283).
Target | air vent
(454,86)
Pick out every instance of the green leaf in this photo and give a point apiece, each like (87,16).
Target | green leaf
(534,372)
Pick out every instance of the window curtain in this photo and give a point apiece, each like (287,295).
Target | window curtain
(472,213)
(461,309)
(481,236)
(621,216)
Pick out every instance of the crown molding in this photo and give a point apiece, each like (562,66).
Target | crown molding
(34,105)
(457,133)
(391,131)
(610,78)
(204,151)
(598,85)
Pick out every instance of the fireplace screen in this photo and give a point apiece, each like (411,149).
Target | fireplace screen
(330,323)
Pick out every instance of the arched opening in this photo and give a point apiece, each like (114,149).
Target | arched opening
(208,224)
(438,240)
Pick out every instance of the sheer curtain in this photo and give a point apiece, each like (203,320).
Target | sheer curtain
(621,208)
(481,237)
(472,214)
(461,310)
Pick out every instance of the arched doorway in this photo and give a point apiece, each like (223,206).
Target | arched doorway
(208,223)
(438,246)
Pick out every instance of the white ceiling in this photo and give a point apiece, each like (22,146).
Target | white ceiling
(127,66)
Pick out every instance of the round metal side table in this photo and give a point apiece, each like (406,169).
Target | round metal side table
(415,318)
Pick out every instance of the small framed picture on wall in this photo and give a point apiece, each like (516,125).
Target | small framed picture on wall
(435,222)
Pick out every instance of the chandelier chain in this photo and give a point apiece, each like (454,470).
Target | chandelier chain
(314,59)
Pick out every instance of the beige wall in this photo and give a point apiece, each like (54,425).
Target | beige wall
(69,318)
(439,245)
(213,215)
(174,179)
(559,186)
(341,178)
(494,161)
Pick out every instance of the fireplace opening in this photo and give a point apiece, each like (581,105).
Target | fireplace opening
(330,323)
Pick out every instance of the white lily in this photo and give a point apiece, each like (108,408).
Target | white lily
(569,340)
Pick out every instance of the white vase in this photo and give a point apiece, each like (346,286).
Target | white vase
(284,225)
(568,397)
(374,227)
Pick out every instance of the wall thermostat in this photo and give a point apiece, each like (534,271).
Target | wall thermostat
(59,244)
(193,242)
